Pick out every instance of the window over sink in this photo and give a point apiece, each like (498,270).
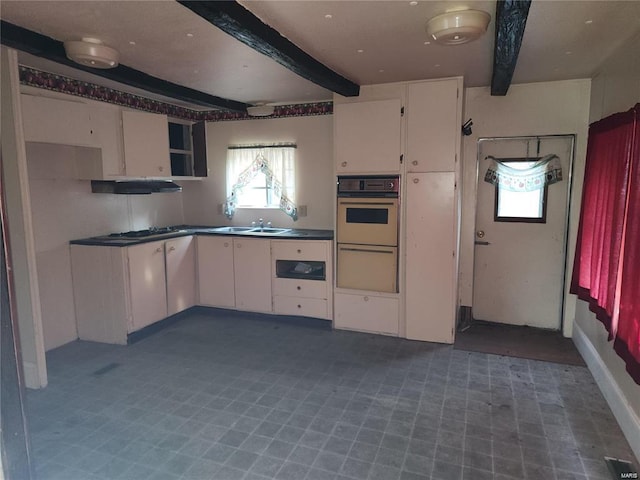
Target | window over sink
(261,176)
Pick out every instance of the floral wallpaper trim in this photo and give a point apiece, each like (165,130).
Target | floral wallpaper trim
(59,83)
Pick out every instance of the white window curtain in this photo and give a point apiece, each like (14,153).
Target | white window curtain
(277,162)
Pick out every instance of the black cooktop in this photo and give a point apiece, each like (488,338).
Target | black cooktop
(144,233)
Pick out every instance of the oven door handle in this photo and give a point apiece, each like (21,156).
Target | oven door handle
(343,202)
(365,250)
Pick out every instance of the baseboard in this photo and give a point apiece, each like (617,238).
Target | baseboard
(627,419)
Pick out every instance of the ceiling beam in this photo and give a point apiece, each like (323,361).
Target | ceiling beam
(46,47)
(241,24)
(511,18)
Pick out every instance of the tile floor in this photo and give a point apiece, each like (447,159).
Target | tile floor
(228,397)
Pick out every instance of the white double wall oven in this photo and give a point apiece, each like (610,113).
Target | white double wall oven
(367,233)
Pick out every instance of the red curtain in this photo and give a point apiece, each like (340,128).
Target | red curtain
(606,270)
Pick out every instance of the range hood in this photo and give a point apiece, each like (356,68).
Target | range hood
(134,187)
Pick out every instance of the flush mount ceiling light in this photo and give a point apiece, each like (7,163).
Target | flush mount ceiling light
(260,110)
(458,27)
(91,52)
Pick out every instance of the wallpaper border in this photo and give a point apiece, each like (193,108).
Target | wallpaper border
(62,84)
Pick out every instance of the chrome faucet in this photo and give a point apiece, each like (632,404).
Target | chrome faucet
(261,223)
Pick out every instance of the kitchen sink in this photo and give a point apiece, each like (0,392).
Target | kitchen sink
(232,229)
(269,230)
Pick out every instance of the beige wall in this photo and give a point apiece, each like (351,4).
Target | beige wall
(616,88)
(546,108)
(315,185)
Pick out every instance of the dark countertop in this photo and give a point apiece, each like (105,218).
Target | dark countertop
(184,230)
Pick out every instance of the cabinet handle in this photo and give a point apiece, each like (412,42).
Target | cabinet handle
(344,164)
(298,287)
(238,245)
(171,249)
(226,244)
(366,299)
(299,251)
(416,180)
(159,250)
(415,162)
(299,306)
(161,168)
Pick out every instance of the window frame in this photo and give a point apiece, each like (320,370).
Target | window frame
(541,219)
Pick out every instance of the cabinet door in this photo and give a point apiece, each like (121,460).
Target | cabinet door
(147,283)
(252,268)
(430,261)
(181,274)
(215,271)
(367,136)
(146,144)
(433,127)
(56,121)
(366,313)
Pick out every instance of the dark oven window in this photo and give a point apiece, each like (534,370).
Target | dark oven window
(368,215)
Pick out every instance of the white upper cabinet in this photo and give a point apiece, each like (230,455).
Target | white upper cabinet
(51,120)
(367,136)
(146,144)
(433,113)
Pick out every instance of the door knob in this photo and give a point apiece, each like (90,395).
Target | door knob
(416,180)
(171,249)
(480,234)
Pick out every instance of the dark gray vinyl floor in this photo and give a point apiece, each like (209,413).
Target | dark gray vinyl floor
(240,397)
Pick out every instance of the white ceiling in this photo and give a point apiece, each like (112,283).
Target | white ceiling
(563,40)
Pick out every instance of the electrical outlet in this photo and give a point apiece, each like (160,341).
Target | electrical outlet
(302,211)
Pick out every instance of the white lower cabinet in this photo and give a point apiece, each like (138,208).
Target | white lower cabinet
(367,313)
(216,285)
(119,290)
(306,307)
(147,284)
(252,274)
(234,273)
(302,278)
(180,258)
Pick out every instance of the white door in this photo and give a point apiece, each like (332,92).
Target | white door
(145,137)
(367,136)
(148,283)
(181,274)
(252,271)
(215,271)
(430,261)
(519,265)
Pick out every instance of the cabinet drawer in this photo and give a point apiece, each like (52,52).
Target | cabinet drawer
(300,288)
(299,250)
(366,313)
(307,307)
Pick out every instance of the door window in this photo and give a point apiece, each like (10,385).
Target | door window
(529,207)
